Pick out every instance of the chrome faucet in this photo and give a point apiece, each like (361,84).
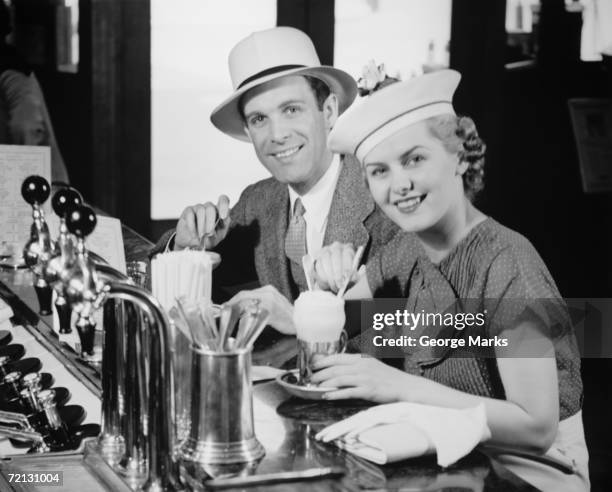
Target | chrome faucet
(62,202)
(56,267)
(137,421)
(40,248)
(124,410)
(86,291)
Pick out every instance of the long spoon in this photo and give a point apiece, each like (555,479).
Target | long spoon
(227,321)
(257,327)
(249,312)
(354,266)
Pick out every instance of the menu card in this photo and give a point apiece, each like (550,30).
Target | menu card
(17,162)
(106,240)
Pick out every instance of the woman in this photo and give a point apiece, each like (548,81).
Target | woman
(423,166)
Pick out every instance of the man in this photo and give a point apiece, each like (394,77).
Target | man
(284,103)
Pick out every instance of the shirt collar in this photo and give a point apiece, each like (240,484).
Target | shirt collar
(317,201)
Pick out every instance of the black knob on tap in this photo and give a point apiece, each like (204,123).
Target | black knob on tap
(65,200)
(81,221)
(64,313)
(43,292)
(35,189)
(87,334)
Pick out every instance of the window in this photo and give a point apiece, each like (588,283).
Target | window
(521,15)
(522,19)
(596,29)
(46,34)
(192,161)
(408,36)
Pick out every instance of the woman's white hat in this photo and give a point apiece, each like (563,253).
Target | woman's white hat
(385,112)
(270,54)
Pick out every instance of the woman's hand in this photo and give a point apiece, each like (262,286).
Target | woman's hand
(364,377)
(333,265)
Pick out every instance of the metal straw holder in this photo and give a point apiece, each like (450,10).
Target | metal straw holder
(222,429)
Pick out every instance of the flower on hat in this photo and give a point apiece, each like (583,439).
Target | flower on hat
(374,77)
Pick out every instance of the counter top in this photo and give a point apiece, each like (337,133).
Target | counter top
(284,425)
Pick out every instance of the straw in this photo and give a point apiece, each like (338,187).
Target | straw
(207,323)
(307,265)
(178,320)
(197,274)
(187,280)
(205,312)
(354,266)
(194,334)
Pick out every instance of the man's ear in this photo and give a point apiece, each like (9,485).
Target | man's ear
(330,110)
(247,132)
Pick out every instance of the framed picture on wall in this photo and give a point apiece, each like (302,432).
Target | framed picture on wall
(592,124)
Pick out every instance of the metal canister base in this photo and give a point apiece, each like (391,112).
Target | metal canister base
(222,453)
(93,360)
(111,448)
(133,471)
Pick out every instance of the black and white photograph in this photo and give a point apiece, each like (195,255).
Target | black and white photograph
(305,245)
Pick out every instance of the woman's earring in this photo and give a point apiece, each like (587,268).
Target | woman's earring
(461,168)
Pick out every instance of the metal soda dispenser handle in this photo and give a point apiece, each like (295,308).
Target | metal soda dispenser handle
(63,202)
(40,248)
(82,288)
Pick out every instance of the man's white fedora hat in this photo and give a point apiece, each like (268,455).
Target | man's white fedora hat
(387,111)
(270,54)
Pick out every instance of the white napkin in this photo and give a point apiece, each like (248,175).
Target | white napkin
(397,431)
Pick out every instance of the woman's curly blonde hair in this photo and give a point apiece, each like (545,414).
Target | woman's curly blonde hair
(458,134)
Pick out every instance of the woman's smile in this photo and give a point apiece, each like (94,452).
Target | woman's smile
(408,205)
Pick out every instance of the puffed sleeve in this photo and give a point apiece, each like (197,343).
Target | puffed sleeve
(523,303)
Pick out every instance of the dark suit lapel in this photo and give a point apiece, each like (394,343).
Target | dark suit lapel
(351,206)
(273,262)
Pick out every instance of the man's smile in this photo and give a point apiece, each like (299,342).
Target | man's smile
(287,152)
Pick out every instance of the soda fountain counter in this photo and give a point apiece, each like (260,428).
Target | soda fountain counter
(284,425)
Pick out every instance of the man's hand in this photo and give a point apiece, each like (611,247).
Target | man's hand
(279,307)
(203,225)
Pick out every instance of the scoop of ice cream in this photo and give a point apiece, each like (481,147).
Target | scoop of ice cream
(318,316)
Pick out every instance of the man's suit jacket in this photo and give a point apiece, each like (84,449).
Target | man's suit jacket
(254,249)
